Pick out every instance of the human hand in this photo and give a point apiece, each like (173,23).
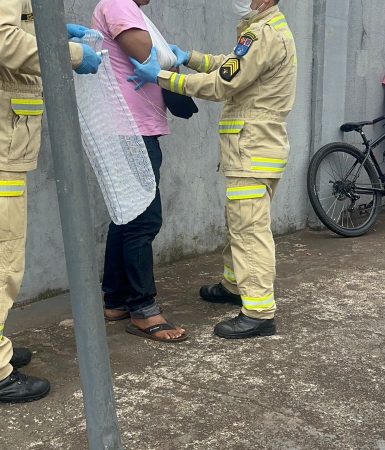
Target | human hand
(147,72)
(91,61)
(76,31)
(182,57)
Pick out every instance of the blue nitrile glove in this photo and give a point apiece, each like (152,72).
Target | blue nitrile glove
(146,73)
(182,57)
(76,31)
(91,61)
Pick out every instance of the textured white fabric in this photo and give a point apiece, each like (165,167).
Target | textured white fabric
(166,57)
(112,141)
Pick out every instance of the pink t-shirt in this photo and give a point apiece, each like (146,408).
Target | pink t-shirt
(112,17)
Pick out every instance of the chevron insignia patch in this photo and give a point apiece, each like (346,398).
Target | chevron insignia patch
(230,69)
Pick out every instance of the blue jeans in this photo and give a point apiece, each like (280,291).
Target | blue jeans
(128,281)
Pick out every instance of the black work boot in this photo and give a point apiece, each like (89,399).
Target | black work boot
(217,293)
(20,388)
(21,357)
(242,327)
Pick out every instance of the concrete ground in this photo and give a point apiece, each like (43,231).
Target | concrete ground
(318,384)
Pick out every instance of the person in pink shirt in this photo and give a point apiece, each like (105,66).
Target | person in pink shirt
(128,282)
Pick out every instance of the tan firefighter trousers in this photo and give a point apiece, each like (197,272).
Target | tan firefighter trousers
(249,256)
(13,224)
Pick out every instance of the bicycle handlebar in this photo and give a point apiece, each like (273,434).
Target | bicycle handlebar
(379,119)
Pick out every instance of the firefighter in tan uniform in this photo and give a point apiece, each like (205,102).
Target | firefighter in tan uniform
(257,81)
(21,110)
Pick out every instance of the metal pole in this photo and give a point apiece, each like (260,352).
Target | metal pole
(67,152)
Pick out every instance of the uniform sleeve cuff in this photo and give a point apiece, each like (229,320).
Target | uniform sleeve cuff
(164,79)
(77,54)
(195,60)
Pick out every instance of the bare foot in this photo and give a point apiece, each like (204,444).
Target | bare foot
(157,320)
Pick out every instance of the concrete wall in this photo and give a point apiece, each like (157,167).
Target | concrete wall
(341,53)
(366,63)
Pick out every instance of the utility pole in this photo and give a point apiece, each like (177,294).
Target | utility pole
(67,152)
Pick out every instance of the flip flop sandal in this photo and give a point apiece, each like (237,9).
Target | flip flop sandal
(150,331)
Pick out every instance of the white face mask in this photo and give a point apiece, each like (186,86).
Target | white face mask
(242,8)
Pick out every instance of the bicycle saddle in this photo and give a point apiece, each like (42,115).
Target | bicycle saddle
(354,126)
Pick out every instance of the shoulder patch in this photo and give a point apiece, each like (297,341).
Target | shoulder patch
(250,35)
(244,43)
(230,69)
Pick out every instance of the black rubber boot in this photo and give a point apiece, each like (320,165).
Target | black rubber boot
(242,327)
(217,293)
(21,357)
(20,388)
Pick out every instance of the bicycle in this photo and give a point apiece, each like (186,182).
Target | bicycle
(346,184)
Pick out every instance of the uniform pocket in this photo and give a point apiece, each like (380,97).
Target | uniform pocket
(26,129)
(12,208)
(230,134)
(243,203)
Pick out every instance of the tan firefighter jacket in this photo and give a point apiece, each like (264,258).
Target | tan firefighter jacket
(257,82)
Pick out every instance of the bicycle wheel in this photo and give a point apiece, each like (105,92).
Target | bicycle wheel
(335,177)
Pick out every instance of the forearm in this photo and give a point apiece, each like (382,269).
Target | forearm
(205,63)
(18,50)
(200,85)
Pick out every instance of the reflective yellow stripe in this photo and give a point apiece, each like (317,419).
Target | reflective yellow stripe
(232,122)
(172,82)
(246,192)
(253,303)
(281,25)
(279,22)
(177,83)
(27,112)
(231,126)
(207,63)
(27,101)
(12,183)
(181,81)
(11,194)
(276,19)
(229,275)
(12,188)
(204,65)
(27,106)
(268,164)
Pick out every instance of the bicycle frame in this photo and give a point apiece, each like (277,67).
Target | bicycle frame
(370,146)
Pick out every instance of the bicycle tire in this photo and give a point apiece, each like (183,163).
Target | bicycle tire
(341,147)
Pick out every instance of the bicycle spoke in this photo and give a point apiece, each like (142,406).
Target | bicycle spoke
(351,220)
(335,177)
(333,204)
(326,198)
